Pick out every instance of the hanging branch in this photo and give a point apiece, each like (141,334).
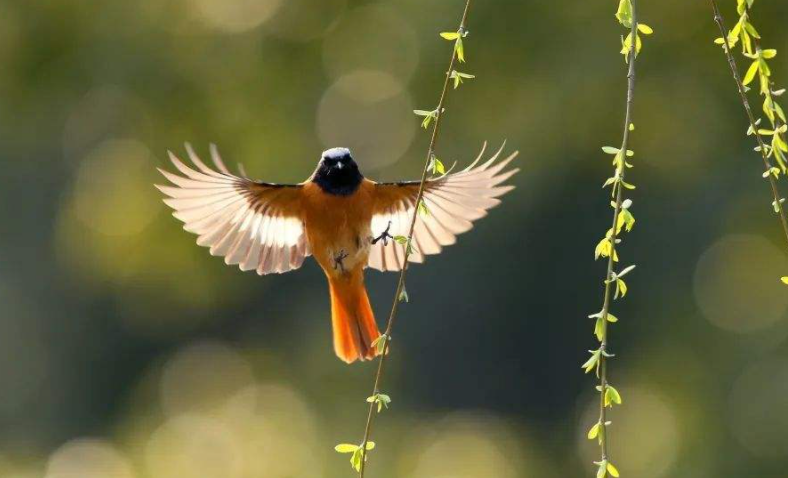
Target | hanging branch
(622,220)
(750,39)
(379,400)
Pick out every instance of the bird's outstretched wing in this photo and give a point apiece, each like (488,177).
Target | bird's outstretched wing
(253,224)
(452,202)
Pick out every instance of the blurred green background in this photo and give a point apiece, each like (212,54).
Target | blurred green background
(130,352)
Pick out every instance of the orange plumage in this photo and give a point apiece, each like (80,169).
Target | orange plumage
(333,224)
(341,218)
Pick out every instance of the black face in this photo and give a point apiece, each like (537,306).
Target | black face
(337,173)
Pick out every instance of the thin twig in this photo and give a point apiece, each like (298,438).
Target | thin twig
(401,282)
(754,127)
(614,234)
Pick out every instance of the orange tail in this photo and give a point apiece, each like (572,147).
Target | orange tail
(352,319)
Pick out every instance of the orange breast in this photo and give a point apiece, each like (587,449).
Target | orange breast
(338,226)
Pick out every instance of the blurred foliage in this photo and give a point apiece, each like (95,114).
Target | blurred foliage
(130,352)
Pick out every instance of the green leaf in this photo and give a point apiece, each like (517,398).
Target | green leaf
(428,117)
(612,396)
(458,77)
(359,455)
(403,295)
(626,45)
(621,288)
(594,431)
(355,460)
(423,210)
(380,343)
(751,30)
(626,271)
(400,239)
(645,29)
(768,54)
(750,75)
(603,248)
(611,317)
(595,316)
(625,219)
(346,448)
(382,400)
(593,361)
(436,166)
(764,67)
(779,110)
(624,13)
(772,171)
(460,49)
(612,470)
(602,470)
(599,329)
(610,150)
(784,279)
(450,35)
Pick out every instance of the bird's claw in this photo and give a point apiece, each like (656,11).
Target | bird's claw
(384,236)
(339,260)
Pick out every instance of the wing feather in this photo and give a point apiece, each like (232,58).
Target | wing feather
(453,200)
(254,225)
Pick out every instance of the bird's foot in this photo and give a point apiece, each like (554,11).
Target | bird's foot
(384,236)
(339,259)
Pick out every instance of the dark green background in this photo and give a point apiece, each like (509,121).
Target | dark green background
(127,351)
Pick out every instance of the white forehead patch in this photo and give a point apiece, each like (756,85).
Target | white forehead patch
(336,153)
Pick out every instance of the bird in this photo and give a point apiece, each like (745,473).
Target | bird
(344,220)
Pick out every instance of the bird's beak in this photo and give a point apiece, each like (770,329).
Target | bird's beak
(340,165)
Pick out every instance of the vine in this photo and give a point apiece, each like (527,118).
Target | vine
(750,39)
(623,220)
(378,400)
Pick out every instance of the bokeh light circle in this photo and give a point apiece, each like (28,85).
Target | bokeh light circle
(373,37)
(111,232)
(112,191)
(235,16)
(758,409)
(650,427)
(103,113)
(277,429)
(305,20)
(465,445)
(737,284)
(194,446)
(202,376)
(88,458)
(370,113)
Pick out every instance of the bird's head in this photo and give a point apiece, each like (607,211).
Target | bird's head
(337,173)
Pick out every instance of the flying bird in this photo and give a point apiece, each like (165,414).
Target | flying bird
(346,221)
